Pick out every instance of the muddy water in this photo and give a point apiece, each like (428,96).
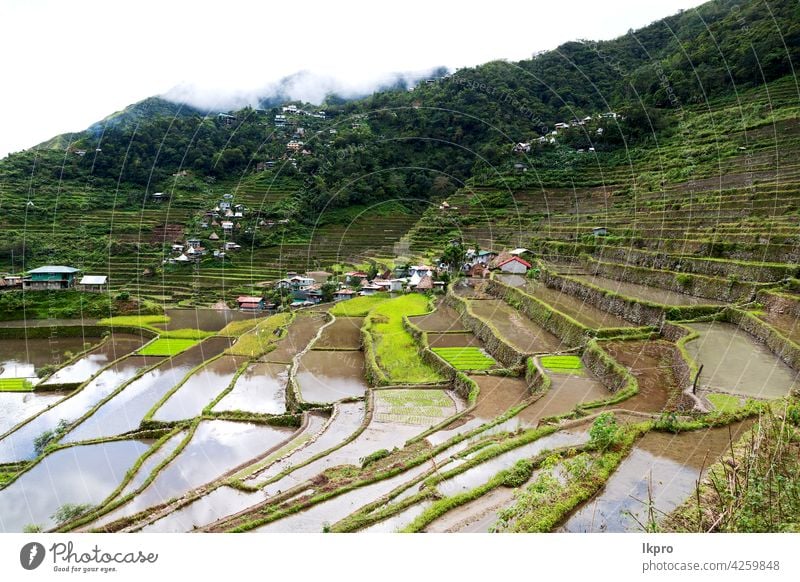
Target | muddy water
(200,389)
(576,308)
(205,319)
(444,319)
(498,394)
(735,362)
(645,292)
(453,340)
(330,376)
(124,412)
(516,329)
(669,464)
(344,333)
(261,388)
(86,474)
(399,521)
(115,347)
(482,473)
(566,392)
(300,332)
(21,358)
(216,447)
(345,422)
(19,444)
(219,503)
(650,362)
(17,406)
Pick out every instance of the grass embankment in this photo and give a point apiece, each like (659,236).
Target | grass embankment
(724,402)
(15,385)
(54,304)
(465,358)
(149,322)
(167,347)
(359,306)
(262,337)
(562,364)
(241,327)
(395,350)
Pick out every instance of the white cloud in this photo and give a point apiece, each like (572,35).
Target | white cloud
(68,64)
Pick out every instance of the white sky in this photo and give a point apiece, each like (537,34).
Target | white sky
(69,63)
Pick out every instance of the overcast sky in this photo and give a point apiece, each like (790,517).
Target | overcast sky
(69,63)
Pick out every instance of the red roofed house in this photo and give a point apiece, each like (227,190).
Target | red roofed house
(247,303)
(514,265)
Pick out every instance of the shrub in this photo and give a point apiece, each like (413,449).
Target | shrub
(70,511)
(605,432)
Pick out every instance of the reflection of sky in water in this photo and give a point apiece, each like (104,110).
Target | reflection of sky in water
(19,444)
(86,474)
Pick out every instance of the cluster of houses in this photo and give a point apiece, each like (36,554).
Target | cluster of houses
(550,138)
(55,278)
(226,217)
(479,263)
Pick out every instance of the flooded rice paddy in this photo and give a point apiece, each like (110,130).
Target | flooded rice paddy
(342,334)
(328,376)
(574,307)
(77,475)
(662,469)
(86,366)
(733,361)
(515,328)
(124,411)
(261,388)
(200,389)
(645,292)
(22,358)
(19,445)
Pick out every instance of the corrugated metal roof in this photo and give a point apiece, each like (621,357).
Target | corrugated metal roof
(54,269)
(94,280)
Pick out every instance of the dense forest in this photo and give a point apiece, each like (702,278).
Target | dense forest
(411,145)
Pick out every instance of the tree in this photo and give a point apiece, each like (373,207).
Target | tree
(328,289)
(454,256)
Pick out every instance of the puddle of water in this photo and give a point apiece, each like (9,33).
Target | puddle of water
(482,473)
(124,412)
(204,319)
(19,444)
(21,358)
(199,389)
(219,503)
(344,333)
(115,347)
(83,474)
(216,447)
(645,292)
(735,362)
(516,329)
(331,376)
(670,464)
(261,388)
(300,332)
(576,308)
(444,319)
(17,406)
(399,521)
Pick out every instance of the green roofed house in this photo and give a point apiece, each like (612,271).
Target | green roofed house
(50,278)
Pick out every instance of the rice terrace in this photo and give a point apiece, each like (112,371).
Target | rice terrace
(422,309)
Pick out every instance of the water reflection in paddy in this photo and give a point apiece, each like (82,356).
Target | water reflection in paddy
(19,444)
(78,475)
